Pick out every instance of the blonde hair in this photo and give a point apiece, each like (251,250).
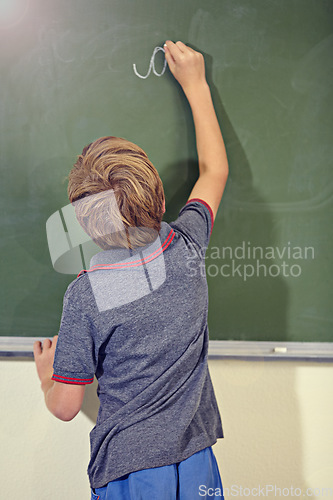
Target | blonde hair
(117,194)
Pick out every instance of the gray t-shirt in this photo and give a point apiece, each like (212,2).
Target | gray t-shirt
(138,321)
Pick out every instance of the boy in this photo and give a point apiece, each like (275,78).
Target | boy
(146,342)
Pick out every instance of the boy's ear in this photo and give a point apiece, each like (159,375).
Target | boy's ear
(164,206)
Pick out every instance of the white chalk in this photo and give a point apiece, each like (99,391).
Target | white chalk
(152,65)
(280,349)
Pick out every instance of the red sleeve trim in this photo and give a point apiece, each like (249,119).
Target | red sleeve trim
(70,380)
(207,206)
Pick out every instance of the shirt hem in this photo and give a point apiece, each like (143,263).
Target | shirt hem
(72,380)
(151,464)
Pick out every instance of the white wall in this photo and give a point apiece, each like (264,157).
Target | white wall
(278,427)
(277,418)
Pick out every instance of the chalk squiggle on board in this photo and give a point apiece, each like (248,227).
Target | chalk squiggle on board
(152,65)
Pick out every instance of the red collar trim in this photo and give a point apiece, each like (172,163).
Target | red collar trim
(134,263)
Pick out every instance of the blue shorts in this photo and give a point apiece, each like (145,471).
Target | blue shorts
(197,477)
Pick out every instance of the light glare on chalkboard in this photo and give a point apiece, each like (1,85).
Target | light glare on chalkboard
(12,12)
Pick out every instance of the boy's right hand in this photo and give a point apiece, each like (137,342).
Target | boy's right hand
(186,65)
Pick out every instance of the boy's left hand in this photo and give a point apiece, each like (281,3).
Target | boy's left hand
(44,357)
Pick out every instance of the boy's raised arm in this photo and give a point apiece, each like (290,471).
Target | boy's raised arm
(188,67)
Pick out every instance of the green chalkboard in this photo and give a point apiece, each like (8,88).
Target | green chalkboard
(67,77)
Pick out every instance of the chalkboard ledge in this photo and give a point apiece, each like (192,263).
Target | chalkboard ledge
(22,347)
(271,351)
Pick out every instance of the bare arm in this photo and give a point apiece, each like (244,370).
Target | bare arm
(64,401)
(188,68)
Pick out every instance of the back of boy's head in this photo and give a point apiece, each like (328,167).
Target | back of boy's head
(115,188)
